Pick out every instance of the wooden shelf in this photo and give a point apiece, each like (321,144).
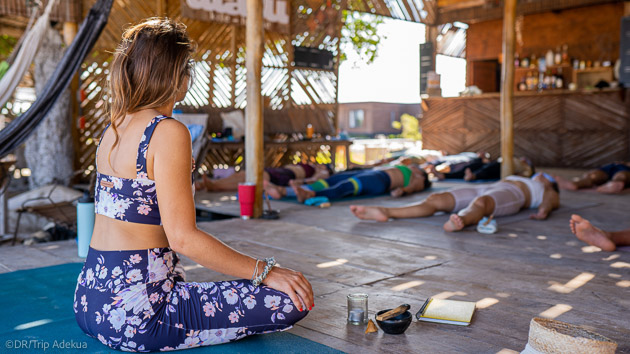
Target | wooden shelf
(590,76)
(595,70)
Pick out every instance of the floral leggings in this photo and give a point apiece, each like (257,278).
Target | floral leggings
(138,301)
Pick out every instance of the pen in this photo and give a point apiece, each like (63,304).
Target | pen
(424,306)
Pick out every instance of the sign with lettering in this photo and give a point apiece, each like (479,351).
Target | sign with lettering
(426,65)
(275,12)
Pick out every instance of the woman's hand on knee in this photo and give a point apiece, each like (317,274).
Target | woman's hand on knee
(293,284)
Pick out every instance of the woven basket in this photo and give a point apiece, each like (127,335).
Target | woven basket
(551,336)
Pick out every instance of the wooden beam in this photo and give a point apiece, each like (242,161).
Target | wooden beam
(507,89)
(487,12)
(254,150)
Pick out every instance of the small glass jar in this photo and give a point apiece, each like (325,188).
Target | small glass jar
(357,309)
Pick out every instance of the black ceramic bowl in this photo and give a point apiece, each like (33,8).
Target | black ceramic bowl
(395,325)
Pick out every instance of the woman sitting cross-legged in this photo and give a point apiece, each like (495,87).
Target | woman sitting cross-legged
(397,180)
(471,204)
(131,293)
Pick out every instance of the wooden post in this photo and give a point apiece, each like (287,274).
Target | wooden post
(507,89)
(254,153)
(161,8)
(69,32)
(234,50)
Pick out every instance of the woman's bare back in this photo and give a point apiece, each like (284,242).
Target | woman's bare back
(109,233)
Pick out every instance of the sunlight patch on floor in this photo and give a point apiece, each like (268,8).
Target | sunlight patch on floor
(338,262)
(623,283)
(611,257)
(32,324)
(572,284)
(591,249)
(507,351)
(407,285)
(555,311)
(486,302)
(447,294)
(555,256)
(620,265)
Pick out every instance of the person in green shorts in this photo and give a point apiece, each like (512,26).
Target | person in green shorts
(397,180)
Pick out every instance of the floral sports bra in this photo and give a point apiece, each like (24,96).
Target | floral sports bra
(130,199)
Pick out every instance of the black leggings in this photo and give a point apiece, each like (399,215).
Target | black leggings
(491,170)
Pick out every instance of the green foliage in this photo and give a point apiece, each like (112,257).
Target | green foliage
(410,127)
(6,45)
(359,32)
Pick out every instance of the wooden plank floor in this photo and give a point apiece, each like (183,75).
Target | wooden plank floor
(529,268)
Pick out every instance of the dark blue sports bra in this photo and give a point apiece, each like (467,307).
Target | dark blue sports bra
(130,199)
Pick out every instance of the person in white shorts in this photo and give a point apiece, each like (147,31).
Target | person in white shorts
(471,204)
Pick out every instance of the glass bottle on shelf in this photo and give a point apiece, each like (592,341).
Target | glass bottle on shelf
(533,62)
(557,60)
(529,81)
(565,54)
(549,57)
(525,62)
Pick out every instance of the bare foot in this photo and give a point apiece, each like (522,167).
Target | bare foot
(612,187)
(440,176)
(454,223)
(369,213)
(303,194)
(296,182)
(590,234)
(275,192)
(468,175)
(565,184)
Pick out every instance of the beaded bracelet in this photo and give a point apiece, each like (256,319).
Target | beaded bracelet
(255,269)
(270,263)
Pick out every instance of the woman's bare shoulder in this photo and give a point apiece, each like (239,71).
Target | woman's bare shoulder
(172,131)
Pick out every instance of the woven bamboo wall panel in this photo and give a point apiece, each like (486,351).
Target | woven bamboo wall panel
(590,112)
(481,115)
(293,96)
(594,149)
(543,148)
(552,129)
(484,140)
(64,10)
(531,113)
(443,116)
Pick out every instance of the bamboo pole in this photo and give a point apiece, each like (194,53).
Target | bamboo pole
(234,50)
(507,89)
(254,153)
(69,32)
(161,7)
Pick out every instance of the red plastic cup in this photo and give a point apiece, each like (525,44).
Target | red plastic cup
(246,197)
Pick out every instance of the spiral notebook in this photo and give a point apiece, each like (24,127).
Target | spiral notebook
(447,311)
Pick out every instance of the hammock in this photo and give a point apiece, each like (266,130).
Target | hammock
(16,132)
(26,53)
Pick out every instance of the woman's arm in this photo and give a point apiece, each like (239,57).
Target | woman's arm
(171,170)
(551,201)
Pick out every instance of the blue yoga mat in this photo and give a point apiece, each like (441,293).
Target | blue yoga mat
(37,317)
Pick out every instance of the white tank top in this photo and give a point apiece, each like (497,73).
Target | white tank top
(536,189)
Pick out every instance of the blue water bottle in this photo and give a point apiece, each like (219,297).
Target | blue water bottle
(85,223)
